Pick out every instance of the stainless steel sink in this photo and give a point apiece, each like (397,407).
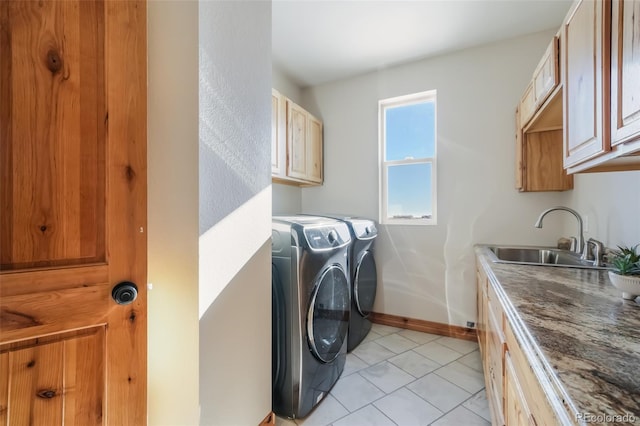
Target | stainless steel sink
(544,256)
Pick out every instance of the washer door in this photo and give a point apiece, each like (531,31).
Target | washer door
(328,315)
(364,284)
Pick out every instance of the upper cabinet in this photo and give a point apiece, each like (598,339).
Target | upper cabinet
(585,78)
(625,71)
(539,129)
(602,86)
(594,109)
(296,144)
(278,132)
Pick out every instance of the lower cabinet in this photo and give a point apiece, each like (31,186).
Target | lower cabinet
(514,394)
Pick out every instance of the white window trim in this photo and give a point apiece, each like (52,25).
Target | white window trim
(384,165)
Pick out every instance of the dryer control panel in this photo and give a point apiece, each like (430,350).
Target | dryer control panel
(364,229)
(327,237)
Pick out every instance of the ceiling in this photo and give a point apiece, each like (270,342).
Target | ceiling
(317,41)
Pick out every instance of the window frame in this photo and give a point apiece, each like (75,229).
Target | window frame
(383,166)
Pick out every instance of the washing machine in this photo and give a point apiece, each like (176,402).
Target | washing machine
(363,275)
(311,307)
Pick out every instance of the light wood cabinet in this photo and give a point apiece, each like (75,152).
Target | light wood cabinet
(491,343)
(625,71)
(314,149)
(591,94)
(278,133)
(539,165)
(296,143)
(602,112)
(546,76)
(586,81)
(493,371)
(514,392)
(516,410)
(482,304)
(520,171)
(527,104)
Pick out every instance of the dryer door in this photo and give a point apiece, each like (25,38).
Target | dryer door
(364,284)
(328,315)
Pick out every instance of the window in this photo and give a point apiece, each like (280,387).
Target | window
(407,138)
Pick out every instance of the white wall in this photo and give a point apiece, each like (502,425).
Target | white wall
(287,199)
(610,202)
(429,272)
(284,84)
(235,210)
(173,213)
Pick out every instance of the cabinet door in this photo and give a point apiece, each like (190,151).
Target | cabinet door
(495,351)
(625,72)
(546,76)
(314,149)
(278,132)
(482,311)
(516,411)
(296,141)
(519,153)
(586,81)
(527,105)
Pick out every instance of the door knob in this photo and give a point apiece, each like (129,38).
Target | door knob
(124,293)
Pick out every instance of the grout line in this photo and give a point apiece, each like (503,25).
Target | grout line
(372,403)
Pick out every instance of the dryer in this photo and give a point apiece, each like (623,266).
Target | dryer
(363,274)
(311,307)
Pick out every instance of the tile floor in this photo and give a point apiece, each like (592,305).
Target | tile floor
(403,377)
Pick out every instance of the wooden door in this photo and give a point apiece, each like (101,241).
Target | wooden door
(73,212)
(625,73)
(296,141)
(586,81)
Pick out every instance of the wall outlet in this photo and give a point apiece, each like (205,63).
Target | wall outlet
(471,324)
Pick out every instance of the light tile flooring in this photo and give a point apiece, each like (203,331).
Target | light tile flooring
(403,377)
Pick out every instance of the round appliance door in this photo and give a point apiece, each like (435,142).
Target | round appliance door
(364,284)
(328,315)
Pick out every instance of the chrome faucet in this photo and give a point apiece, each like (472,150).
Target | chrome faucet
(580,245)
(598,251)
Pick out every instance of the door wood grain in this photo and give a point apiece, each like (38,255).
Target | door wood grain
(73,195)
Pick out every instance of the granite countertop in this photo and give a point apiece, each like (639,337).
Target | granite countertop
(586,336)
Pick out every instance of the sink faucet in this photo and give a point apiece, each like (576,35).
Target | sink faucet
(580,246)
(598,251)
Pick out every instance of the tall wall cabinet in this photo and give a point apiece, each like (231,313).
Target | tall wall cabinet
(296,143)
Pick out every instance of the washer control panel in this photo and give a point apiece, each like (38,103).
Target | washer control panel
(327,237)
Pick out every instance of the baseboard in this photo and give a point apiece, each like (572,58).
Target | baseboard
(424,326)
(270,420)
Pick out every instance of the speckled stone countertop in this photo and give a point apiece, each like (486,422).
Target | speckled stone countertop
(585,334)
